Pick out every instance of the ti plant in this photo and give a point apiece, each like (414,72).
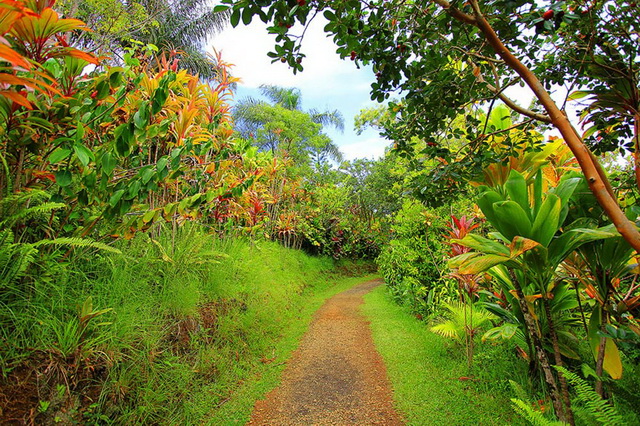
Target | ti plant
(606,271)
(530,246)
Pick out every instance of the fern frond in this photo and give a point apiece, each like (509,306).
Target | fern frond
(14,259)
(22,215)
(598,408)
(536,418)
(517,388)
(19,198)
(77,242)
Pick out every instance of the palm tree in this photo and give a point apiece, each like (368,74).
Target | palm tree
(291,98)
(252,116)
(180,28)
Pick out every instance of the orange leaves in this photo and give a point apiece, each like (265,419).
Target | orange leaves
(11,56)
(31,33)
(34,36)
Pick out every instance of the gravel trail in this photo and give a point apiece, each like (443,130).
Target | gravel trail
(336,376)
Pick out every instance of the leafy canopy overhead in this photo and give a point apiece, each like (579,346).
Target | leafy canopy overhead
(445,56)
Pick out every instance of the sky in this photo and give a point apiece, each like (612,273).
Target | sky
(327,82)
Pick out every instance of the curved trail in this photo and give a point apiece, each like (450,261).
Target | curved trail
(336,376)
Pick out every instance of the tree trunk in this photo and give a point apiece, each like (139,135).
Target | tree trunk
(564,388)
(540,353)
(636,146)
(600,360)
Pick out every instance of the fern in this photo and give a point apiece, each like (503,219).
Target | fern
(76,242)
(39,211)
(519,390)
(536,418)
(14,258)
(594,406)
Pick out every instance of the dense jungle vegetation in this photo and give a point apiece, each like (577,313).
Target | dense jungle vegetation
(164,245)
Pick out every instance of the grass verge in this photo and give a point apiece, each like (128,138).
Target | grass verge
(237,410)
(427,375)
(180,328)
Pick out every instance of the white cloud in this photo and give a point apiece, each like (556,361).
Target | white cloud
(247,47)
(327,82)
(371,148)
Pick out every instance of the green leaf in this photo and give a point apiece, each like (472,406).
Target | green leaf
(516,187)
(520,245)
(162,164)
(115,198)
(235,18)
(574,238)
(482,263)
(148,216)
(133,190)
(58,155)
(565,189)
(146,174)
(247,16)
(115,79)
(79,132)
(108,163)
(63,178)
(505,331)
(578,94)
(140,118)
(159,98)
(122,145)
(220,8)
(102,90)
(486,203)
(83,153)
(537,193)
(458,260)
(513,219)
(482,244)
(546,224)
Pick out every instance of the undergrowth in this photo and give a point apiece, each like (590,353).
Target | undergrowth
(169,331)
(430,381)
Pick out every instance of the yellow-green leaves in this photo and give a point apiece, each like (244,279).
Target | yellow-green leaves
(488,253)
(612,363)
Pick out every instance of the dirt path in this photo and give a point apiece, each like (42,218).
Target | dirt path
(336,376)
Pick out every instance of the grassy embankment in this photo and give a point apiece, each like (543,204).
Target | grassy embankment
(432,384)
(199,328)
(429,374)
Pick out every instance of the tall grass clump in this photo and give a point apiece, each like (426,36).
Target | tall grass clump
(163,332)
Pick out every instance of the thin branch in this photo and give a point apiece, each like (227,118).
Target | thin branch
(456,13)
(511,104)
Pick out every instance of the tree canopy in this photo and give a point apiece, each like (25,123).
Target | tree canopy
(445,56)
(282,126)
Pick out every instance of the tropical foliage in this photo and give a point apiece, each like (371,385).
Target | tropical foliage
(142,208)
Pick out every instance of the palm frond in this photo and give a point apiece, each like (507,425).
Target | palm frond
(328,118)
(448,329)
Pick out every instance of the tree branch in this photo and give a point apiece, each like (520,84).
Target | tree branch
(456,13)
(504,98)
(595,180)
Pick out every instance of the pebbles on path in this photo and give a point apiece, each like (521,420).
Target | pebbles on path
(336,376)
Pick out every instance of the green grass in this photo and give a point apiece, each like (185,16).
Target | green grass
(238,408)
(424,370)
(198,328)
